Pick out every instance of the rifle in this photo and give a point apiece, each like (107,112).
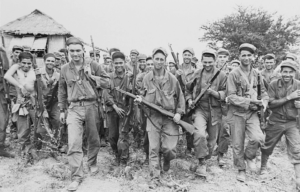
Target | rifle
(40,106)
(261,113)
(177,66)
(100,104)
(188,127)
(130,110)
(199,97)
(2,38)
(4,65)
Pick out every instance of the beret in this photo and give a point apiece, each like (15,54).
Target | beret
(25,55)
(26,48)
(113,50)
(148,58)
(73,40)
(235,61)
(223,51)
(189,49)
(161,50)
(142,56)
(209,51)
(270,55)
(134,51)
(49,55)
(17,47)
(292,56)
(247,47)
(117,55)
(291,64)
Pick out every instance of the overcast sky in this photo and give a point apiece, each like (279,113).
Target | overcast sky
(139,24)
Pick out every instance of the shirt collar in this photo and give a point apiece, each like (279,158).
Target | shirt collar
(280,83)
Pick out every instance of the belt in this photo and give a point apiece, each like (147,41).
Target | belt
(83,103)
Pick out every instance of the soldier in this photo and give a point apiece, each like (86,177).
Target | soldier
(107,65)
(23,77)
(97,55)
(234,64)
(208,112)
(172,68)
(149,63)
(116,106)
(162,88)
(133,59)
(186,74)
(76,88)
(113,50)
(243,105)
(58,62)
(26,49)
(268,73)
(284,94)
(14,59)
(4,114)
(64,57)
(223,56)
(50,77)
(195,62)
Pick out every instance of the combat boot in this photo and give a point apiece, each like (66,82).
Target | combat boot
(241,176)
(263,166)
(166,165)
(4,153)
(221,159)
(251,165)
(201,169)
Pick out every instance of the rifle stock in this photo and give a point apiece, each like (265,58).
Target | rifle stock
(188,127)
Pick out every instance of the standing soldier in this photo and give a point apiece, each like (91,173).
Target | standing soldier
(4,114)
(107,65)
(76,88)
(172,67)
(133,59)
(284,102)
(223,56)
(50,77)
(243,105)
(116,105)
(186,74)
(14,59)
(97,57)
(162,88)
(268,73)
(58,62)
(208,112)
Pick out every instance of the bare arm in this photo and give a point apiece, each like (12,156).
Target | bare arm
(9,76)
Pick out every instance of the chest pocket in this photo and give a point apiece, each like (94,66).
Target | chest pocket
(168,99)
(150,96)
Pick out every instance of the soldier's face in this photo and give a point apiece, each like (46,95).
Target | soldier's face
(269,63)
(246,57)
(159,60)
(187,57)
(49,62)
(149,64)
(16,53)
(133,57)
(108,62)
(76,52)
(208,63)
(287,74)
(222,59)
(26,64)
(119,64)
(172,69)
(142,64)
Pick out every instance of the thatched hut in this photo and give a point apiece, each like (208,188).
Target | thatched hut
(36,30)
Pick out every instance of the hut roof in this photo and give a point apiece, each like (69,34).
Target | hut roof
(35,23)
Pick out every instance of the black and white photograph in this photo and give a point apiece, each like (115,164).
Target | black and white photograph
(149,96)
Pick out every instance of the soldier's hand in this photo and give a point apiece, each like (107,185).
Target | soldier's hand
(179,72)
(62,118)
(294,95)
(138,99)
(257,102)
(191,104)
(88,70)
(297,104)
(119,111)
(23,90)
(177,118)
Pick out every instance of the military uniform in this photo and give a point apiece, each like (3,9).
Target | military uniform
(77,94)
(241,91)
(167,94)
(129,65)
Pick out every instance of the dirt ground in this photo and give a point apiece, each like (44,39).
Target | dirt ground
(50,175)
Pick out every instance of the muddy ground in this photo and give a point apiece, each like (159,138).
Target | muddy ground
(50,175)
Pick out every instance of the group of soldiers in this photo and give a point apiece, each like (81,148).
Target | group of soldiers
(107,102)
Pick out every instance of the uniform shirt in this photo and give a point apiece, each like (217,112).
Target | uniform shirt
(74,86)
(185,77)
(46,78)
(241,91)
(287,111)
(166,93)
(115,97)
(129,66)
(268,77)
(108,68)
(219,85)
